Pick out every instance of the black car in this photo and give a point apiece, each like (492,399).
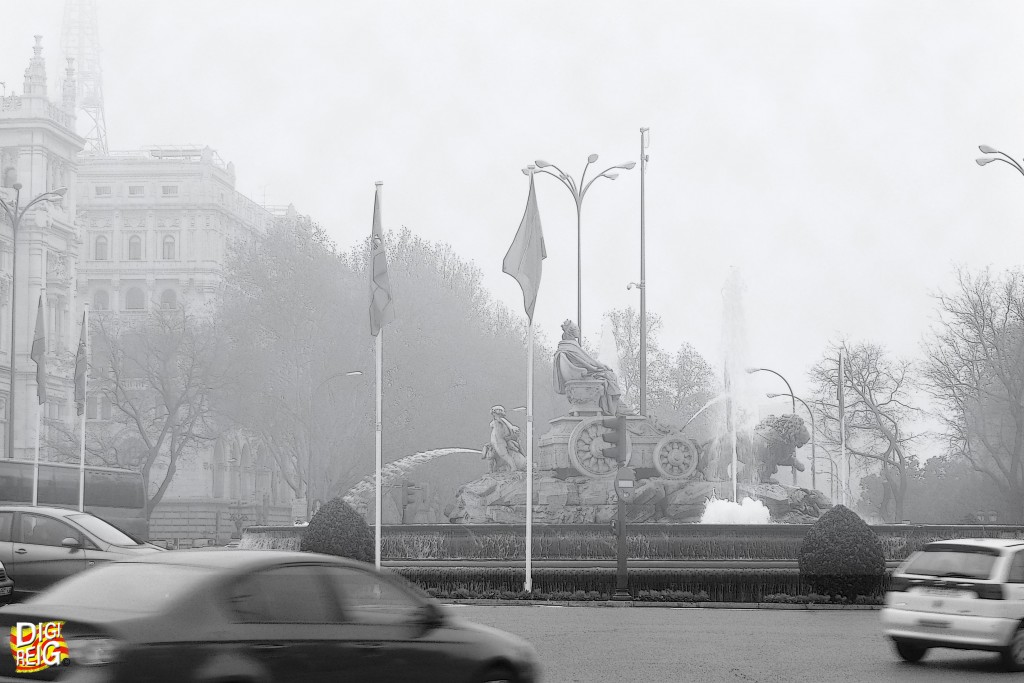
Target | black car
(41,545)
(252,616)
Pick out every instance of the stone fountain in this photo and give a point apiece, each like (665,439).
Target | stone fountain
(676,474)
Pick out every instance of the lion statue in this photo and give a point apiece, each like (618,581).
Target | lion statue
(760,451)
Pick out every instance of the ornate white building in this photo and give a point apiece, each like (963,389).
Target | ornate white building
(155,225)
(133,231)
(38,148)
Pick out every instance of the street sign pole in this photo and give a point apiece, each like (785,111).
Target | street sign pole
(624,481)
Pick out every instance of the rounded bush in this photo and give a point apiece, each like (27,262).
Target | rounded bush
(841,555)
(337,529)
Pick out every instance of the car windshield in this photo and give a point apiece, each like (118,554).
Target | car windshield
(963,564)
(103,530)
(127,586)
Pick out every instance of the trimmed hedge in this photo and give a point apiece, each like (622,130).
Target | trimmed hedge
(713,585)
(842,556)
(337,529)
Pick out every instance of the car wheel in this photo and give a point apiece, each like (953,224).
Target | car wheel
(909,652)
(1013,654)
(498,674)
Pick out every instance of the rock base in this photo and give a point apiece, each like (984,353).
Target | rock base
(500,498)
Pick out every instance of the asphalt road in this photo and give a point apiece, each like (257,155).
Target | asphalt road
(654,645)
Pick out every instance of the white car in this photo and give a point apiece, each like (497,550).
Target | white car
(966,594)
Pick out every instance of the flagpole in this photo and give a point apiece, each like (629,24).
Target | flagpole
(528,586)
(85,384)
(39,411)
(842,437)
(377,462)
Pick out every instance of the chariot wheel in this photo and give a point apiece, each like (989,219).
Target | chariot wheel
(675,457)
(586,450)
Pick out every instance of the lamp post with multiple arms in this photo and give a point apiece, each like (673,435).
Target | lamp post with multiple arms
(998,156)
(814,479)
(579,191)
(14,214)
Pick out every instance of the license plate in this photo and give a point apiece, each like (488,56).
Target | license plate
(6,590)
(946,593)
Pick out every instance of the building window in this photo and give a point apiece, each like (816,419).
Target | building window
(136,190)
(103,190)
(101,300)
(101,248)
(135,248)
(135,300)
(169,299)
(169,190)
(168,247)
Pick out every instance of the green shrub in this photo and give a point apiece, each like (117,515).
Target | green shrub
(337,529)
(841,556)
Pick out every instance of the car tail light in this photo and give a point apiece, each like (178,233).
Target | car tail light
(899,584)
(93,651)
(990,591)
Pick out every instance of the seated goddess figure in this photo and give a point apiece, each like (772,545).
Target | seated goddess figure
(572,362)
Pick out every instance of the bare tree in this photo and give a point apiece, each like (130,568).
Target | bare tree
(878,415)
(975,371)
(678,385)
(157,376)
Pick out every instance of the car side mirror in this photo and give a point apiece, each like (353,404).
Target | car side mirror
(430,617)
(72,543)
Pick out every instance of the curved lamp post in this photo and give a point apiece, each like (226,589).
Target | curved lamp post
(579,191)
(814,479)
(14,214)
(751,371)
(998,156)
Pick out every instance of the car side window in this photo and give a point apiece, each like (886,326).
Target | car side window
(367,597)
(6,523)
(1017,569)
(40,530)
(294,594)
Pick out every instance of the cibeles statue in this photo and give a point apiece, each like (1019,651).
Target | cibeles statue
(503,450)
(574,365)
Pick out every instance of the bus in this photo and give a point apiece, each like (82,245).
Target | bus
(116,495)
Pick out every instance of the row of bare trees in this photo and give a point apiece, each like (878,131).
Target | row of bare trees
(972,371)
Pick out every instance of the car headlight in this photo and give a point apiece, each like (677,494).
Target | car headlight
(93,651)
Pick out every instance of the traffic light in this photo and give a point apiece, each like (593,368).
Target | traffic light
(408,494)
(615,437)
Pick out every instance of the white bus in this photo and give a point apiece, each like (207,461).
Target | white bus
(115,495)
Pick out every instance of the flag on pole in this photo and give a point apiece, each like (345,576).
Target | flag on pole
(524,258)
(38,353)
(381,310)
(80,368)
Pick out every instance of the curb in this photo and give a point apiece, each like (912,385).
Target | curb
(672,605)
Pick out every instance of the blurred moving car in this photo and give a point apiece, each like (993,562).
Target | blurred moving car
(254,616)
(41,545)
(965,594)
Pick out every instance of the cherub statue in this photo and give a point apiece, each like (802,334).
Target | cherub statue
(503,450)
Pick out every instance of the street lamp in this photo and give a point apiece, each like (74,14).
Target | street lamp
(1000,156)
(579,191)
(14,215)
(814,479)
(751,371)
